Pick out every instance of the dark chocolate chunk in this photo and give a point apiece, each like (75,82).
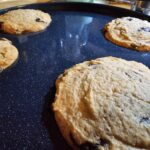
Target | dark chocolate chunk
(146,29)
(88,145)
(103,142)
(138,74)
(145,120)
(94,146)
(130,19)
(122,110)
(127,74)
(39,20)
(133,45)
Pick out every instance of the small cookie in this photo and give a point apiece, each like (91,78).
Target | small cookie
(24,21)
(104,104)
(8,53)
(129,32)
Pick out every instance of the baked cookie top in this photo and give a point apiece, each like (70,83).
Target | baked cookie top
(8,53)
(129,32)
(104,104)
(24,20)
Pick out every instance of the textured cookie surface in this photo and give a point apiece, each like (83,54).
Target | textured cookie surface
(129,32)
(24,21)
(8,53)
(104,104)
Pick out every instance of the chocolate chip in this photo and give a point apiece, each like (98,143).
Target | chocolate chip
(146,29)
(92,146)
(39,20)
(130,19)
(127,74)
(145,120)
(103,142)
(89,146)
(133,45)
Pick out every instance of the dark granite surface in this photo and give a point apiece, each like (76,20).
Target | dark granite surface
(27,89)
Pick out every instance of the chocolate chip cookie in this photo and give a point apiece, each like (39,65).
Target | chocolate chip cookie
(129,32)
(8,53)
(24,21)
(104,104)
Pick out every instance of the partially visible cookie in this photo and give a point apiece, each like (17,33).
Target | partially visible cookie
(8,53)
(129,32)
(104,104)
(24,21)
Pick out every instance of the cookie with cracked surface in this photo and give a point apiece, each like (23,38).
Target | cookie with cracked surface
(104,104)
(129,32)
(8,53)
(24,21)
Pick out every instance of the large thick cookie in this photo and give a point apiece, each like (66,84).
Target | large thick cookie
(129,32)
(24,20)
(104,104)
(8,53)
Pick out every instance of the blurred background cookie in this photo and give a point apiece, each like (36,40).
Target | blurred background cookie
(129,32)
(8,53)
(24,21)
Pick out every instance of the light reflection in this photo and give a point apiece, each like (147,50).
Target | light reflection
(22,39)
(76,36)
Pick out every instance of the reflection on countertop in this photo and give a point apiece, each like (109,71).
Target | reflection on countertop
(76,36)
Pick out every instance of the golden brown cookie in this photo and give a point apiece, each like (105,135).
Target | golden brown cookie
(129,32)
(8,53)
(104,104)
(24,21)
